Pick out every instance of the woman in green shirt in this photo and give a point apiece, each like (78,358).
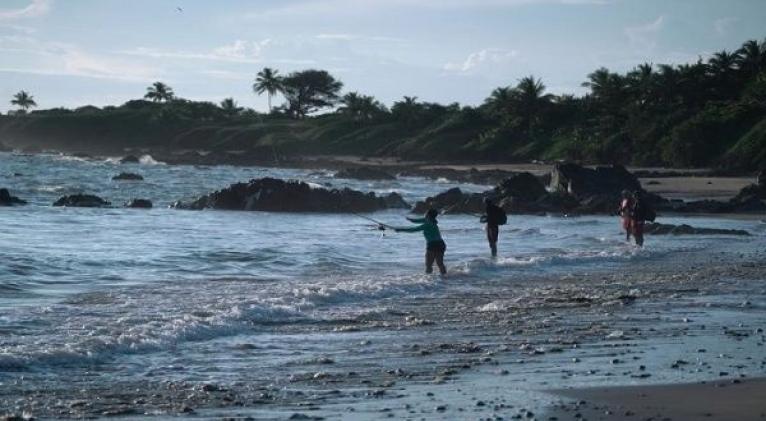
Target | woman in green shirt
(435,246)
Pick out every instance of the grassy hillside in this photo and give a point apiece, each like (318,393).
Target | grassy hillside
(705,114)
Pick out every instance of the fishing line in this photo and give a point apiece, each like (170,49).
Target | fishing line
(380,224)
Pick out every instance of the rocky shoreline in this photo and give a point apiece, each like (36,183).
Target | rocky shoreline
(489,352)
(568,189)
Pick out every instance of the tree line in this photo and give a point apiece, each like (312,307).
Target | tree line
(692,114)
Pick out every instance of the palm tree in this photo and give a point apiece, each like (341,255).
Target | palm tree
(752,57)
(230,107)
(159,92)
(23,100)
(693,82)
(408,110)
(640,82)
(269,81)
(609,88)
(723,68)
(598,82)
(722,63)
(668,83)
(531,100)
(500,101)
(360,107)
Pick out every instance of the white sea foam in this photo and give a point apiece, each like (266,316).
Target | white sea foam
(148,160)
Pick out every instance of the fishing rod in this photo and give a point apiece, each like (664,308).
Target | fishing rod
(449,209)
(380,224)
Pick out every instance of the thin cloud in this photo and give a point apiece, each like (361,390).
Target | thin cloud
(645,35)
(239,51)
(342,37)
(722,25)
(355,7)
(20,29)
(63,59)
(486,56)
(228,75)
(34,9)
(355,37)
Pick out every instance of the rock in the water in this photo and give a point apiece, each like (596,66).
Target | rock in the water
(273,195)
(7,200)
(523,186)
(364,173)
(82,201)
(584,182)
(452,201)
(128,176)
(751,197)
(139,203)
(683,229)
(130,159)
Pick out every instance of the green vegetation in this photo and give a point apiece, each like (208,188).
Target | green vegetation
(705,114)
(159,92)
(269,81)
(24,101)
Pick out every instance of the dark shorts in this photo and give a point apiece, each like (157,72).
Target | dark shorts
(437,246)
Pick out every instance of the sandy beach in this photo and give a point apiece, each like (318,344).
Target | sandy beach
(671,183)
(736,399)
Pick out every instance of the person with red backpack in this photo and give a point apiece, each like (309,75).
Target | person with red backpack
(639,214)
(626,206)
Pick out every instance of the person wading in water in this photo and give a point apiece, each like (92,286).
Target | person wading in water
(435,246)
(625,210)
(494,216)
(641,212)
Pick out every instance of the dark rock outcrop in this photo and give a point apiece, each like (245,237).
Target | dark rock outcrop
(523,186)
(82,201)
(130,159)
(7,200)
(453,200)
(579,190)
(520,193)
(127,176)
(364,173)
(683,229)
(139,204)
(273,195)
(584,182)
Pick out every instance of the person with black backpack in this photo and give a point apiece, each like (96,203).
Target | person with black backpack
(494,216)
(640,213)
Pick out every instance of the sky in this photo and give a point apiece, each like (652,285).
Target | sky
(69,53)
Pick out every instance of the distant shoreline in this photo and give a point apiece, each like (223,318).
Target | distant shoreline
(672,183)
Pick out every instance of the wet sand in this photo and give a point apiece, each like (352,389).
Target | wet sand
(506,349)
(738,399)
(697,188)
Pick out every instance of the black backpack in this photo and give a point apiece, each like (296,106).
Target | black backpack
(643,212)
(502,217)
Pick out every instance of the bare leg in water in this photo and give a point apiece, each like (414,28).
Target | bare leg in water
(440,262)
(430,257)
(493,232)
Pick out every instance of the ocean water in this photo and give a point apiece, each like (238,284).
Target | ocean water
(153,293)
